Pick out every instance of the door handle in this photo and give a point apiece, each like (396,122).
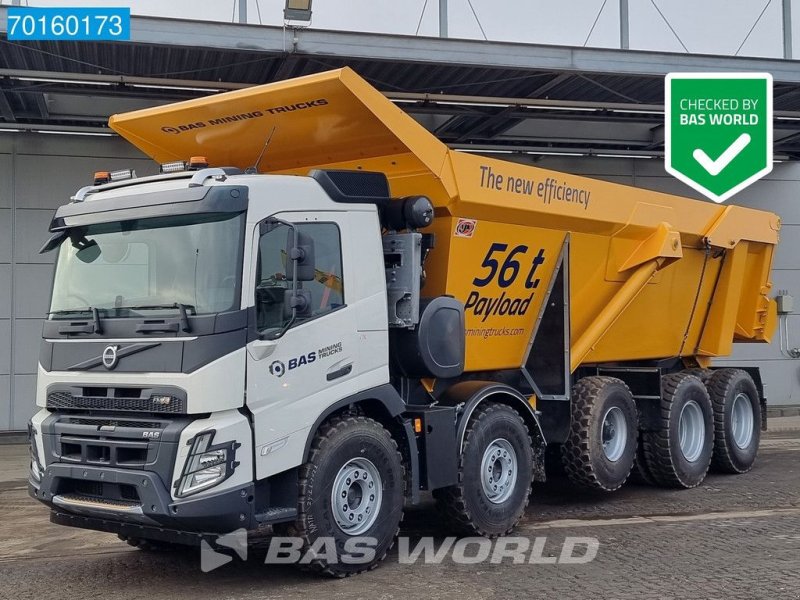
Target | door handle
(341,372)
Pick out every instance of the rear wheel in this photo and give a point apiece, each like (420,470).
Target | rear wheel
(737,420)
(678,452)
(494,476)
(353,486)
(601,447)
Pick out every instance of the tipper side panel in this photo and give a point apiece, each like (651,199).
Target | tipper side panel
(651,275)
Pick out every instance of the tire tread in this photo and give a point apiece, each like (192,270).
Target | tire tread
(656,445)
(327,431)
(451,501)
(576,451)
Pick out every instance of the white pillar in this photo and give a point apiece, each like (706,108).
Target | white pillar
(624,32)
(787,28)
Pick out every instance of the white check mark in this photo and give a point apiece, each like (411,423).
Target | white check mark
(715,167)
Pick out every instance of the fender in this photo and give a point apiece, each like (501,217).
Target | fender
(388,402)
(470,394)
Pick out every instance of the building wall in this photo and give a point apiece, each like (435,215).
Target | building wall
(38,172)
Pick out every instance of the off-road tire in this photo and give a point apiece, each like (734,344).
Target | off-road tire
(663,456)
(338,441)
(146,545)
(723,387)
(702,374)
(641,472)
(582,454)
(465,506)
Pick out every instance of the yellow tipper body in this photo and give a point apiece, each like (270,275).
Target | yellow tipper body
(650,275)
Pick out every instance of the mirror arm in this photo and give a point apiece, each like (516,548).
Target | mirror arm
(293,318)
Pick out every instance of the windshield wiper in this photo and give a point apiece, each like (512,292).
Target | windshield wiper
(96,325)
(179,306)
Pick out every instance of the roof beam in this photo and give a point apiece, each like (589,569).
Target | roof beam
(376,46)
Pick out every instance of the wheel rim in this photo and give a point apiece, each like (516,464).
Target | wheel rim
(356,496)
(615,433)
(692,431)
(742,420)
(499,471)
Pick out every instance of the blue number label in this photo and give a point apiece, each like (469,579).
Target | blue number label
(63,23)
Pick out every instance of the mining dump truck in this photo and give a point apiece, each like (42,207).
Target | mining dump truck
(318,312)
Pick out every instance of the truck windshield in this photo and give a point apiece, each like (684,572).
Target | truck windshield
(151,266)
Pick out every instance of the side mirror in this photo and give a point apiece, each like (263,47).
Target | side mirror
(300,250)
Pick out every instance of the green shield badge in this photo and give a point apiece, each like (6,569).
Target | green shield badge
(718,136)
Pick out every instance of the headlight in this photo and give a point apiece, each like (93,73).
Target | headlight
(36,466)
(206,465)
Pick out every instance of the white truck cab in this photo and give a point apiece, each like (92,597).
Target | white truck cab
(207,329)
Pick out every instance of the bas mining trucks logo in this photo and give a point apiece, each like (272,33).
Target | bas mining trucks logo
(243,116)
(279,368)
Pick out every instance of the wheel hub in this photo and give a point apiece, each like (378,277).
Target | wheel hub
(498,471)
(691,431)
(742,420)
(614,433)
(356,496)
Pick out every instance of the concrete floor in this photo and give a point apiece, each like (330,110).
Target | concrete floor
(732,537)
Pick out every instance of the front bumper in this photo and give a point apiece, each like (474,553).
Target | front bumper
(83,491)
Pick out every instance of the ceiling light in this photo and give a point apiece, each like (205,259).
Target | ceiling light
(297,10)
(625,155)
(58,132)
(51,80)
(173,87)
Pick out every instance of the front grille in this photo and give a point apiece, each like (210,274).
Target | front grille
(112,452)
(115,423)
(66,400)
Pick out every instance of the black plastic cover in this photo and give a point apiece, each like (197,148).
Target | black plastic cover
(436,346)
(353,187)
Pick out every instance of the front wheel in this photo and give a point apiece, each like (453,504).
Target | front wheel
(494,476)
(352,491)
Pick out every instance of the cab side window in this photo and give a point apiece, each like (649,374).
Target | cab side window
(273,274)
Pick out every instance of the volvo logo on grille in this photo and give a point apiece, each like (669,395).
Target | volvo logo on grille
(110,357)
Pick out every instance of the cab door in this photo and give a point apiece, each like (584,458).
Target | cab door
(297,368)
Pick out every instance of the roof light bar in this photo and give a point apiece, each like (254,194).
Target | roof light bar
(122,175)
(176,166)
